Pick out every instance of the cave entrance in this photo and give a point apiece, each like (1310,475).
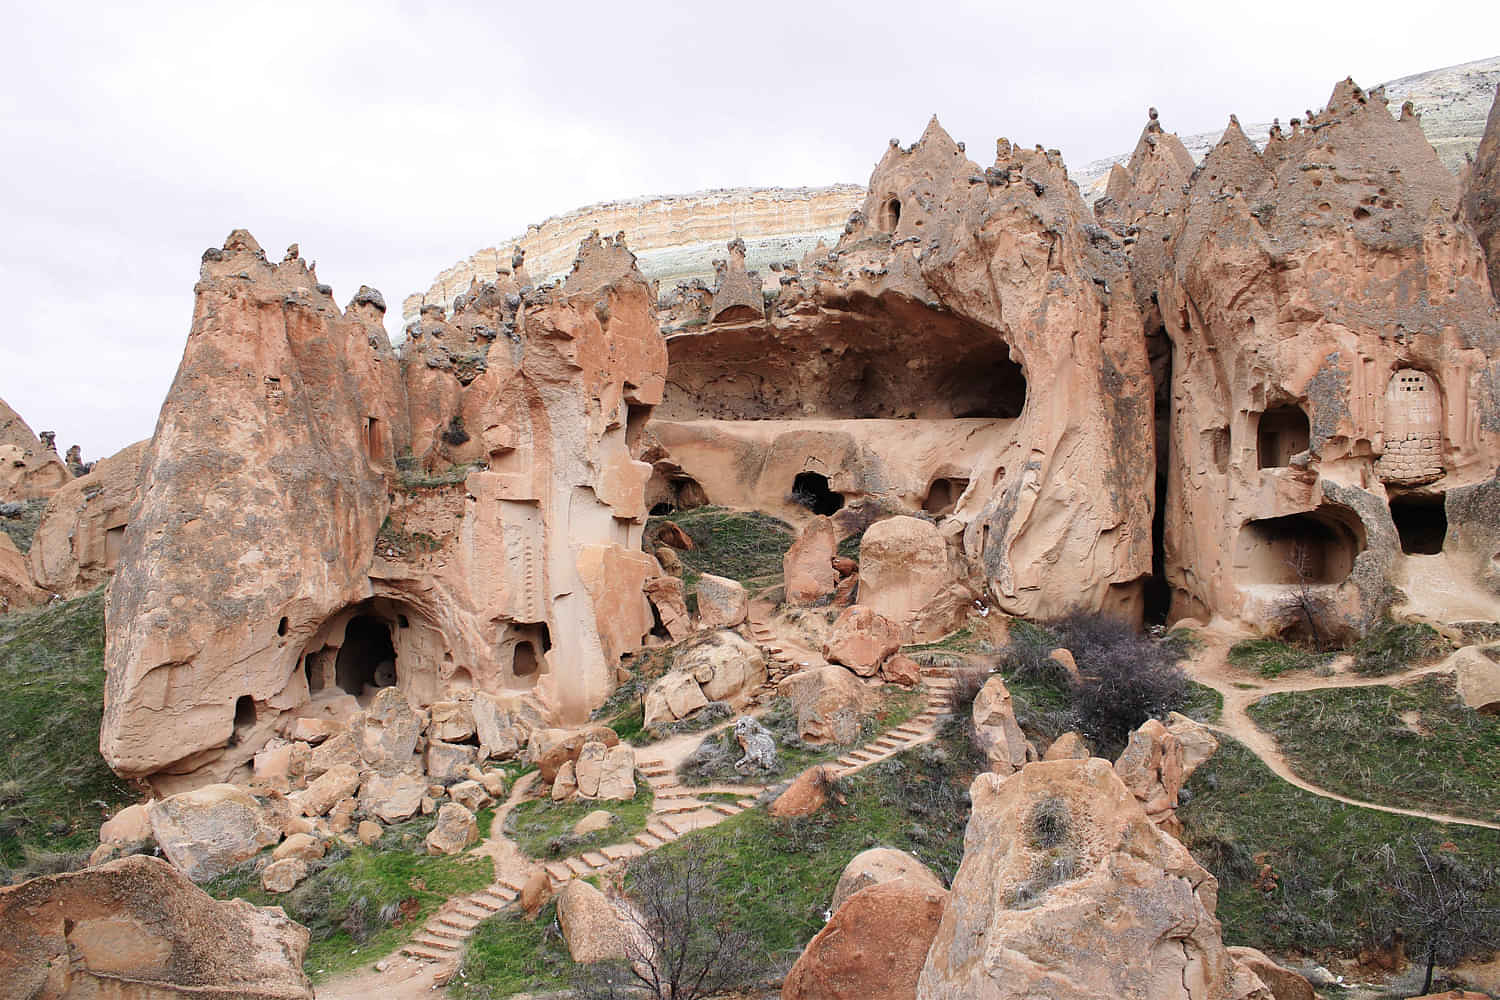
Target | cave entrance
(1318,547)
(943,494)
(367,658)
(1282,433)
(1422,523)
(524,663)
(985,384)
(890,215)
(1157,593)
(683,493)
(810,489)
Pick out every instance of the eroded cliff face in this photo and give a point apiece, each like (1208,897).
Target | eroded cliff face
(971,325)
(289,556)
(1481,199)
(29,468)
(1334,363)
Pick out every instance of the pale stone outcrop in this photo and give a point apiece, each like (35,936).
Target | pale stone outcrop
(808,564)
(17,590)
(726,666)
(1481,197)
(283,875)
(862,640)
(328,789)
(1283,983)
(675,695)
(456,829)
(1068,746)
(82,532)
(805,794)
(872,948)
(130,825)
(1047,851)
(903,565)
(394,798)
(29,468)
(208,831)
(995,726)
(137,929)
(829,701)
(495,729)
(1478,672)
(521,578)
(902,670)
(722,603)
(670,601)
(877,865)
(590,926)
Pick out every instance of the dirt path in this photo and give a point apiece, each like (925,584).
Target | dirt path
(1241,688)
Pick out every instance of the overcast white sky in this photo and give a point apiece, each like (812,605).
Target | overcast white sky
(391,139)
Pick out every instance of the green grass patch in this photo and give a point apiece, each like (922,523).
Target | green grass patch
(1328,891)
(22,529)
(1274,657)
(509,954)
(964,640)
(1203,704)
(1415,747)
(544,829)
(1393,646)
(55,789)
(365,903)
(740,545)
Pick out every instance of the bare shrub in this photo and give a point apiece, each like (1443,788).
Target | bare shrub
(1441,905)
(1127,678)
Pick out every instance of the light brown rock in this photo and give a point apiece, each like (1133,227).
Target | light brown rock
(452,721)
(726,667)
(872,948)
(675,695)
(448,761)
(862,640)
(392,799)
(588,769)
(137,928)
(903,567)
(808,564)
(535,892)
(456,829)
(1481,195)
(903,670)
(338,782)
(130,825)
(565,785)
(315,730)
(995,726)
(878,865)
(594,822)
(471,795)
(1152,767)
(284,875)
(722,603)
(205,832)
(338,750)
(617,774)
(1478,679)
(553,747)
(666,595)
(368,832)
(1047,850)
(1068,746)
(829,702)
(1283,983)
(1064,659)
(388,733)
(17,590)
(807,793)
(29,469)
(590,926)
(1198,741)
(299,845)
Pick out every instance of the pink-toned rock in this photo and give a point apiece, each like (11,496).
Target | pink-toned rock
(807,793)
(878,865)
(451,721)
(862,640)
(1068,746)
(129,825)
(666,595)
(996,728)
(1283,983)
(903,567)
(808,564)
(565,785)
(315,730)
(137,928)
(393,798)
(1481,195)
(722,603)
(337,750)
(82,531)
(368,832)
(29,469)
(901,670)
(590,926)
(1152,766)
(209,830)
(283,876)
(471,795)
(726,666)
(300,845)
(829,701)
(456,829)
(338,782)
(17,590)
(872,948)
(675,695)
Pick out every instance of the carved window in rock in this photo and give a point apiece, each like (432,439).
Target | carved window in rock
(890,215)
(1283,432)
(373,445)
(1413,429)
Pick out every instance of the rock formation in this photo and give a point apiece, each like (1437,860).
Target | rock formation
(872,948)
(29,469)
(78,543)
(1481,199)
(1067,890)
(135,929)
(289,556)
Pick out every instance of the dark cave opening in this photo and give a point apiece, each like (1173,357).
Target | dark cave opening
(1421,522)
(810,489)
(367,657)
(1283,431)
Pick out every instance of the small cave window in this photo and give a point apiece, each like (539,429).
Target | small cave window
(810,490)
(987,384)
(943,494)
(662,509)
(367,659)
(403,622)
(114,542)
(281,627)
(890,215)
(1318,547)
(373,446)
(244,712)
(312,669)
(1421,522)
(525,662)
(1283,432)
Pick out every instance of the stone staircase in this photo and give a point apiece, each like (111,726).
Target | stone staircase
(677,809)
(783,655)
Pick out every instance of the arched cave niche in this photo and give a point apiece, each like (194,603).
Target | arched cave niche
(1318,547)
(528,655)
(681,493)
(1421,522)
(985,383)
(244,712)
(1283,431)
(811,490)
(889,216)
(367,658)
(942,495)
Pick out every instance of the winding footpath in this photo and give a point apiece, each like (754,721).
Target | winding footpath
(676,810)
(1240,689)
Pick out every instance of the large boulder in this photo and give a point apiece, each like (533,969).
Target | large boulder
(670,601)
(1047,851)
(552,748)
(137,928)
(128,826)
(829,702)
(389,732)
(805,795)
(456,829)
(451,721)
(675,695)
(1157,761)
(495,728)
(590,925)
(877,865)
(862,640)
(617,775)
(903,565)
(392,798)
(16,587)
(1283,983)
(209,830)
(725,665)
(872,948)
(722,603)
(449,762)
(1478,673)
(999,734)
(808,564)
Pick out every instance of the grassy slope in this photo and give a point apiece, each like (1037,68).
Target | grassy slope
(543,828)
(1328,890)
(23,529)
(1354,741)
(54,787)
(747,547)
(509,954)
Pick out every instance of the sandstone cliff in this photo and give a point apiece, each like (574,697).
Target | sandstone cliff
(29,469)
(1481,199)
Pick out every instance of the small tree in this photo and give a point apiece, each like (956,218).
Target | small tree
(1441,906)
(680,942)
